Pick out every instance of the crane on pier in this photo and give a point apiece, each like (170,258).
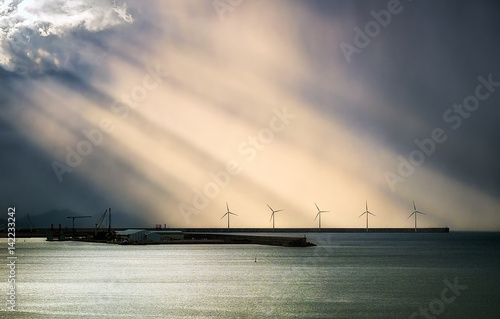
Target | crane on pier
(75,217)
(99,223)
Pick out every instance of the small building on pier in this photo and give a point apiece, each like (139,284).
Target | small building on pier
(161,236)
(131,235)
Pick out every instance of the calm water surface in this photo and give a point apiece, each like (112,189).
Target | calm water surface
(345,276)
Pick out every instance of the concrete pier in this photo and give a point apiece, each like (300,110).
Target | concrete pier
(250,239)
(313,230)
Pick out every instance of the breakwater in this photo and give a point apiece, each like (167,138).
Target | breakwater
(43,232)
(314,230)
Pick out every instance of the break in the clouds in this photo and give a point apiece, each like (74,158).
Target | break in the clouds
(30,29)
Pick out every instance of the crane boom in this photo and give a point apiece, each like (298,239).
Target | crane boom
(101,220)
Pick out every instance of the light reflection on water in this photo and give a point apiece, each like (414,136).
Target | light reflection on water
(345,276)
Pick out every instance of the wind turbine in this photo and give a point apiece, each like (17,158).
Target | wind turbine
(415,212)
(228,213)
(272,214)
(367,212)
(319,214)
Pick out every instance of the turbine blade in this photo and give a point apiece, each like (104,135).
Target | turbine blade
(279,210)
(371,214)
(316,216)
(233,214)
(414,207)
(270,207)
(223,215)
(271,216)
(362,214)
(324,211)
(316,206)
(411,215)
(420,212)
(227,206)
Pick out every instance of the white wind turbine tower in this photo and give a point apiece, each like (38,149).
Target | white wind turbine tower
(273,212)
(319,215)
(415,212)
(228,213)
(367,212)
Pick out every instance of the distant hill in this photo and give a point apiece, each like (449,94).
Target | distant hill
(59,216)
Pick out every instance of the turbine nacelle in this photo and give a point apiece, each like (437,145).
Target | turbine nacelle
(228,213)
(367,212)
(415,211)
(319,211)
(273,211)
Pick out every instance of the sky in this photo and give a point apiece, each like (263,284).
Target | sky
(168,110)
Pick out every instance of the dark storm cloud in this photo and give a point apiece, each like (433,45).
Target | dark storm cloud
(34,50)
(427,58)
(26,176)
(434,62)
(29,179)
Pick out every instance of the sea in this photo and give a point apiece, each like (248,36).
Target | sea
(360,275)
